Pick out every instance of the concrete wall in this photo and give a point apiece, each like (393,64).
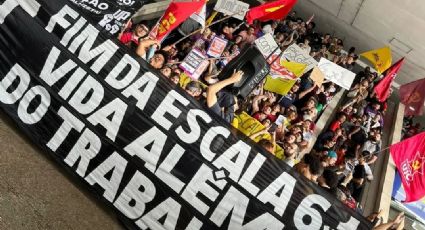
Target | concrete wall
(369,24)
(36,193)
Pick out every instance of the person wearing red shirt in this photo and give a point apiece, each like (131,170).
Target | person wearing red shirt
(140,31)
(337,124)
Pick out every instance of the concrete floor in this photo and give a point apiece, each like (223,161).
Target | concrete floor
(30,201)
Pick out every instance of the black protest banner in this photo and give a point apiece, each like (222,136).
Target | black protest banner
(140,144)
(109,15)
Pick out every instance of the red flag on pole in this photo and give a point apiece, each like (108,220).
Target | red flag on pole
(270,11)
(382,89)
(176,13)
(409,158)
(412,95)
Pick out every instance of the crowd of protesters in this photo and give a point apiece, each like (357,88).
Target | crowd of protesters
(342,156)
(352,142)
(410,129)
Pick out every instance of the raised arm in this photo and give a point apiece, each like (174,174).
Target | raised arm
(214,89)
(307,91)
(144,45)
(255,103)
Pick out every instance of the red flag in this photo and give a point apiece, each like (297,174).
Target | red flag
(412,95)
(270,11)
(382,89)
(409,158)
(176,13)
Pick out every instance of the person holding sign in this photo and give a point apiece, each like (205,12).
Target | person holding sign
(159,58)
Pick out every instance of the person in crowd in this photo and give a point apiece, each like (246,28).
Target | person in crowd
(373,145)
(305,45)
(227,111)
(330,159)
(132,37)
(359,176)
(290,153)
(175,78)
(247,37)
(194,89)
(310,167)
(337,124)
(159,58)
(329,181)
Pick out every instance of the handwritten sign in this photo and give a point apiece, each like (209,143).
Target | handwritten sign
(249,125)
(296,54)
(336,73)
(194,64)
(217,47)
(235,8)
(317,76)
(266,45)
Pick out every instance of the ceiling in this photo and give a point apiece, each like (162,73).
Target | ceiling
(370,24)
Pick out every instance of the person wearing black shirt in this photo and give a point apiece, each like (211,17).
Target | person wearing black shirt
(222,102)
(359,175)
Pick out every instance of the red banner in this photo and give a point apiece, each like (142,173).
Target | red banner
(271,11)
(382,89)
(409,158)
(412,96)
(176,13)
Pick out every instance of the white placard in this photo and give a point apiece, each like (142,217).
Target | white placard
(194,64)
(217,46)
(266,44)
(235,8)
(336,73)
(296,54)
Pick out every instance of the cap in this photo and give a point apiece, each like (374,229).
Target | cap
(332,154)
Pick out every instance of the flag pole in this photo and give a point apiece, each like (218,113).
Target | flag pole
(206,59)
(382,150)
(199,30)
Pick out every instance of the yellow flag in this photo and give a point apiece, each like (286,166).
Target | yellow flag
(278,85)
(249,125)
(380,58)
(294,67)
(211,18)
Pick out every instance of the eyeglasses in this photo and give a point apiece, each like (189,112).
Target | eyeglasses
(143,27)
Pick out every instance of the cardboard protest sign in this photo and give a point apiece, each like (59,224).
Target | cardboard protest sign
(278,85)
(280,120)
(317,76)
(194,64)
(279,67)
(235,8)
(267,45)
(336,73)
(276,67)
(296,54)
(139,144)
(217,47)
(249,125)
